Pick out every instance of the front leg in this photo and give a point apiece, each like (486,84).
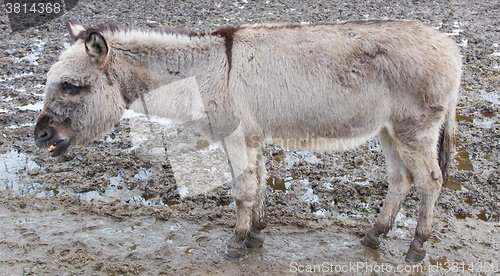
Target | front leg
(237,246)
(259,217)
(245,189)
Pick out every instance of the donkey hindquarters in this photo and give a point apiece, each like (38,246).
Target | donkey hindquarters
(411,157)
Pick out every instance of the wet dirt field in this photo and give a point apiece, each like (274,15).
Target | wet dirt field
(120,206)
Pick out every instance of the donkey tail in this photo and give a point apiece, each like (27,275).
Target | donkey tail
(446,142)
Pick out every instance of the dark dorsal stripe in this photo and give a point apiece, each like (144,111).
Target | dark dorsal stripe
(228,34)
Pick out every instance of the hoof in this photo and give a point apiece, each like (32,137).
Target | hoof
(370,240)
(416,253)
(235,248)
(254,240)
(414,256)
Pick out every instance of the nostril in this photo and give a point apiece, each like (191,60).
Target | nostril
(43,134)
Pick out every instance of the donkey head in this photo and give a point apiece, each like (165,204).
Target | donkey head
(82,101)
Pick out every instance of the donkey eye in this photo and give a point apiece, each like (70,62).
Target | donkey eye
(70,89)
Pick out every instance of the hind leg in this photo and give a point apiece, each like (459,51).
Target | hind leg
(428,179)
(400,180)
(418,149)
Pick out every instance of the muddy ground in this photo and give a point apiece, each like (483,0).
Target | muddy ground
(114,207)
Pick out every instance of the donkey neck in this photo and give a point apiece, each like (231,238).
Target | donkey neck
(144,61)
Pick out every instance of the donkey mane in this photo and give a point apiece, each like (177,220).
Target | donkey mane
(113,28)
(225,32)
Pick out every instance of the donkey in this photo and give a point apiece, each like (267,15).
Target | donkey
(325,86)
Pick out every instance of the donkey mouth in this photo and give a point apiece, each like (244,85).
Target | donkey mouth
(58,147)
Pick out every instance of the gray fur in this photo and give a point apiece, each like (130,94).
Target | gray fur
(317,87)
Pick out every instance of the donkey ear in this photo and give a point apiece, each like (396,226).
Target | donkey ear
(76,32)
(96,46)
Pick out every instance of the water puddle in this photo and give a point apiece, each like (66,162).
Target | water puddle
(489,94)
(456,30)
(454,184)
(12,165)
(295,156)
(202,145)
(32,107)
(281,184)
(466,118)
(32,57)
(462,157)
(441,262)
(361,181)
(15,167)
(463,163)
(483,215)
(487,216)
(143,174)
(90,195)
(278,158)
(483,118)
(116,191)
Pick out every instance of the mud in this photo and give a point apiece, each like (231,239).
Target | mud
(119,206)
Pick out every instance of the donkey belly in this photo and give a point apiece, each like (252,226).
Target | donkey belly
(321,143)
(311,125)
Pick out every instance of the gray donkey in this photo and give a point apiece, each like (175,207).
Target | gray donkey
(317,87)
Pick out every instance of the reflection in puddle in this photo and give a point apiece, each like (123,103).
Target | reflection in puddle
(484,118)
(90,195)
(205,229)
(11,164)
(487,216)
(454,184)
(440,262)
(143,174)
(483,215)
(488,114)
(281,184)
(462,157)
(466,118)
(14,166)
(276,183)
(202,145)
(116,191)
